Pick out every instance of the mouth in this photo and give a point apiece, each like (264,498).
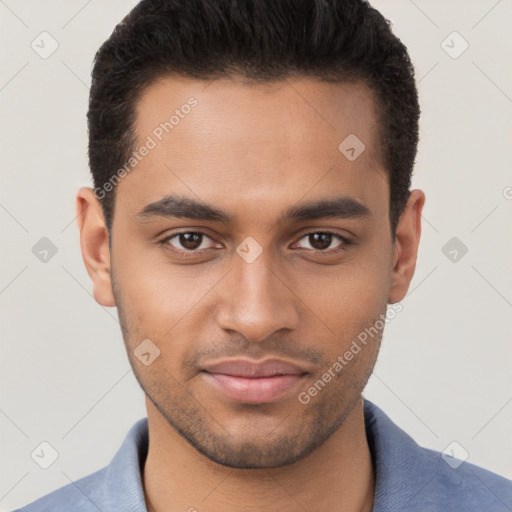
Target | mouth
(251,382)
(254,390)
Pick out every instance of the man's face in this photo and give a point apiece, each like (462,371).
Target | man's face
(253,152)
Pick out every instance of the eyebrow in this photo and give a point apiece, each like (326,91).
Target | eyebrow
(343,207)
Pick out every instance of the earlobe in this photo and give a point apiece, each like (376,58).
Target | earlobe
(94,245)
(405,250)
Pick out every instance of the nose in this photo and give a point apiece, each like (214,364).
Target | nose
(257,301)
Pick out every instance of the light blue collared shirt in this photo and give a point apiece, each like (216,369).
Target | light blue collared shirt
(408,478)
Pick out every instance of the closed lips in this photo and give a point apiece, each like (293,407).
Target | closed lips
(255,369)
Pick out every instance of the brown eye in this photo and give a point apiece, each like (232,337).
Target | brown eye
(321,241)
(187,242)
(190,241)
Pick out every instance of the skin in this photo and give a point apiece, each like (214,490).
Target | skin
(253,150)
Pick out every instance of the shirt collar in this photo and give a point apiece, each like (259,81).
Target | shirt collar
(400,470)
(123,481)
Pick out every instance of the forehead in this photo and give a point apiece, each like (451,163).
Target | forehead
(227,140)
(233,110)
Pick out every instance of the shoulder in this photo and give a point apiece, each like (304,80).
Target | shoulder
(117,486)
(84,494)
(461,485)
(412,478)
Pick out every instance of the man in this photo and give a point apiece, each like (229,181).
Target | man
(252,221)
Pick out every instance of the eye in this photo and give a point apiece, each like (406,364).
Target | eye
(186,242)
(191,243)
(321,240)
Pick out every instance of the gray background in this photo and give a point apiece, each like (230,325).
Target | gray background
(443,373)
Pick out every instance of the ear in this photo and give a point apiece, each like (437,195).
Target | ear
(405,250)
(94,245)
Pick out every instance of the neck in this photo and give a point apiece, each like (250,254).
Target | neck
(338,476)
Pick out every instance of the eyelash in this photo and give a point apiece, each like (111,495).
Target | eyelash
(183,253)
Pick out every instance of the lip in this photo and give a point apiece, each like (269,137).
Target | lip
(247,368)
(254,382)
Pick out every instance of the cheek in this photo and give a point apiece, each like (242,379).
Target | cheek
(158,292)
(348,298)
(166,304)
